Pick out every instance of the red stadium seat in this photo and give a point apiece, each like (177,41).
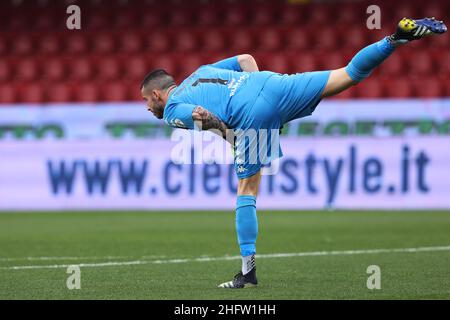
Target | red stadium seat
(347,55)
(235,16)
(213,40)
(393,66)
(304,62)
(189,65)
(49,44)
(59,92)
(124,19)
(278,63)
(179,18)
(185,41)
(420,63)
(19,21)
(26,70)
(349,13)
(318,15)
(262,15)
(4,46)
(263,60)
(44,22)
(54,70)
(22,45)
(31,93)
(241,41)
(442,60)
(377,34)
(269,40)
(207,16)
(86,92)
(7,93)
(212,58)
(150,20)
(114,92)
(5,71)
(134,92)
(326,39)
(405,10)
(103,43)
(432,10)
(96,21)
(289,15)
(398,88)
(76,43)
(346,94)
(441,42)
(429,87)
(157,42)
(298,39)
(163,62)
(108,69)
(416,46)
(445,83)
(135,68)
(331,61)
(355,38)
(80,69)
(370,88)
(130,43)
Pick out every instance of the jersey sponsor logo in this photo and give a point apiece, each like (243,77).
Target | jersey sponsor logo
(235,85)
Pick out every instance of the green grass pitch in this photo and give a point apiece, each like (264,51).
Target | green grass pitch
(182,255)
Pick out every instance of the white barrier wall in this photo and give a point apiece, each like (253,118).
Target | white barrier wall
(349,154)
(353,172)
(132,120)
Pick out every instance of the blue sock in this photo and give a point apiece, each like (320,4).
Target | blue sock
(246,224)
(368,58)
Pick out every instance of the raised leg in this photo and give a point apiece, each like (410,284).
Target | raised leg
(338,81)
(362,64)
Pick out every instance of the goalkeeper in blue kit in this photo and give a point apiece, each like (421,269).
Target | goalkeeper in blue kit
(233,95)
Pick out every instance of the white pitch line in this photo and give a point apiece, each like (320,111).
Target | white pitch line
(62,258)
(226,258)
(73,258)
(91,265)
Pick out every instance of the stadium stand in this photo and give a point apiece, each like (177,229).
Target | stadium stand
(120,41)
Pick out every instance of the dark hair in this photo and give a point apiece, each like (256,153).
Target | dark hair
(159,79)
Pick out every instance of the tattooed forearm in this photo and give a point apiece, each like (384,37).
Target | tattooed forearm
(209,120)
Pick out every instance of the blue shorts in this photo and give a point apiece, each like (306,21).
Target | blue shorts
(282,99)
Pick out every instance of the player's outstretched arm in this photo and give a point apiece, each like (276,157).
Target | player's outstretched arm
(247,63)
(242,62)
(209,121)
